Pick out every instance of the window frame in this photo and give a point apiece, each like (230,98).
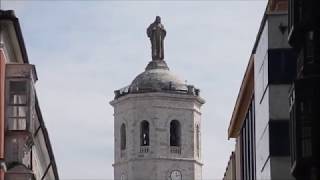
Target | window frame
(175,140)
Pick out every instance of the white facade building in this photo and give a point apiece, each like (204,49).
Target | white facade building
(157,122)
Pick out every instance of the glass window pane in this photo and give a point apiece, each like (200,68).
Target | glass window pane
(19,87)
(306,148)
(17,124)
(17,111)
(18,99)
(306,132)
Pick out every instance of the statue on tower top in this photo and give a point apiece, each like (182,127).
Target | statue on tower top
(156,33)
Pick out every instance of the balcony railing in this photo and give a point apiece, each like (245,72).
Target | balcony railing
(167,87)
(144,149)
(175,149)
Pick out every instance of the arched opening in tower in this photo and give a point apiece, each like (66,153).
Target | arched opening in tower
(144,133)
(175,133)
(198,139)
(123,137)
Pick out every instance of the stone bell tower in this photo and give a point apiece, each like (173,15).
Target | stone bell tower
(157,122)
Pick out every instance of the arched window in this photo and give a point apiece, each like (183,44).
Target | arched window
(144,133)
(175,133)
(198,139)
(123,140)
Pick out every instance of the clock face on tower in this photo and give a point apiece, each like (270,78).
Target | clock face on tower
(175,175)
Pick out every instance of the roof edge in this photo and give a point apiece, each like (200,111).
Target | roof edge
(10,15)
(243,100)
(270,10)
(47,140)
(199,99)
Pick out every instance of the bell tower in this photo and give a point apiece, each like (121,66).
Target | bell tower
(157,122)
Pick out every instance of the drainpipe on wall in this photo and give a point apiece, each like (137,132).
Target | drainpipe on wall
(2,97)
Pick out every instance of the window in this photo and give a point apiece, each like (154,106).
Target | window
(175,133)
(279,138)
(17,105)
(247,143)
(198,139)
(123,142)
(144,133)
(305,127)
(282,66)
(306,140)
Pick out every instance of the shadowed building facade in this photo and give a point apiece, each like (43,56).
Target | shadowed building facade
(25,150)
(157,122)
(304,36)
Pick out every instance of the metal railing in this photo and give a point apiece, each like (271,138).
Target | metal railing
(181,89)
(144,149)
(175,149)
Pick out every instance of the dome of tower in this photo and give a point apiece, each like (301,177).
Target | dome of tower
(157,80)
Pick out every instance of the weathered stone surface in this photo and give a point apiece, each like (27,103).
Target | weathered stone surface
(159,109)
(161,115)
(157,79)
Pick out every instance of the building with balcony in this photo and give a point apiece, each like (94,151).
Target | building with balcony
(304,37)
(25,149)
(260,119)
(157,122)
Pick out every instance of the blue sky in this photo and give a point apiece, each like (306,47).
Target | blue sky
(84,50)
